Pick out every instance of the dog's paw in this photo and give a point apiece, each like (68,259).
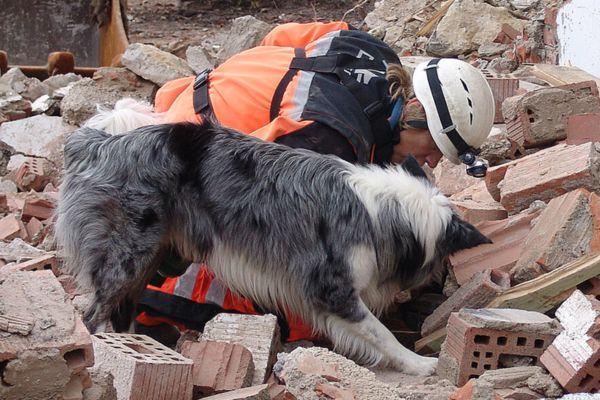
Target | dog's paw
(418,365)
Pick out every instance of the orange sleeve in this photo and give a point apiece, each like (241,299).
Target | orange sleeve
(169,92)
(300,35)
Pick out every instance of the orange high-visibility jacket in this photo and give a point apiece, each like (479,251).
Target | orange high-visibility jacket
(317,86)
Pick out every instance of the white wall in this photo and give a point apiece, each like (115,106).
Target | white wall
(578,35)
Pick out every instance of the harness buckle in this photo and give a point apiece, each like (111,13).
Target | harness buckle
(201,78)
(448,129)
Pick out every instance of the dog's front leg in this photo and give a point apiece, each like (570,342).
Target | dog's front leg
(376,335)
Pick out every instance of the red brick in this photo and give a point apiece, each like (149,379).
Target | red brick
(478,340)
(218,366)
(539,117)
(137,360)
(279,392)
(502,88)
(333,392)
(12,227)
(31,174)
(475,204)
(550,173)
(507,34)
(508,238)
(34,227)
(583,128)
(39,205)
(562,233)
(482,288)
(574,357)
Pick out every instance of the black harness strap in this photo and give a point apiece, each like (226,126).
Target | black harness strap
(201,99)
(282,86)
(448,127)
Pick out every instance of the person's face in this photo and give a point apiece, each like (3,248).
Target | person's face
(419,144)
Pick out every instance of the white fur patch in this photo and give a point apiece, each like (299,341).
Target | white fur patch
(127,115)
(363,262)
(423,206)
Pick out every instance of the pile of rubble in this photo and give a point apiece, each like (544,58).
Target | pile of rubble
(522,315)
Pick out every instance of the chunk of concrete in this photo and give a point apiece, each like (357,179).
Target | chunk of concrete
(38,136)
(198,59)
(14,107)
(153,64)
(246,32)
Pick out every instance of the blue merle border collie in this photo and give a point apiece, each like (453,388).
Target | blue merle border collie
(294,231)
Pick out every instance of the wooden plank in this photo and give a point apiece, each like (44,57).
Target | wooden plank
(113,38)
(546,291)
(435,18)
(557,75)
(540,294)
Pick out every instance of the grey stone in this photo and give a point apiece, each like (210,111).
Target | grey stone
(18,251)
(153,64)
(497,147)
(38,136)
(102,386)
(388,13)
(45,105)
(524,5)
(467,25)
(257,333)
(362,382)
(492,49)
(34,89)
(109,85)
(61,80)
(503,65)
(7,187)
(198,58)
(15,79)
(246,32)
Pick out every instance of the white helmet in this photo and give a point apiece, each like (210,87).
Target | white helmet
(459,105)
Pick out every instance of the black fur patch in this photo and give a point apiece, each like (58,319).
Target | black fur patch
(411,165)
(460,235)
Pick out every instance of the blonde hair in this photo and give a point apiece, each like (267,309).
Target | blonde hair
(400,82)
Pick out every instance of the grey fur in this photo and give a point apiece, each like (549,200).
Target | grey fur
(281,226)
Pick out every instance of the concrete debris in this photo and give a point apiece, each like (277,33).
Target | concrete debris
(497,148)
(38,136)
(451,178)
(412,387)
(154,64)
(302,383)
(14,107)
(477,340)
(57,349)
(258,392)
(475,204)
(102,386)
(61,80)
(573,357)
(198,59)
(246,32)
(84,97)
(15,79)
(467,25)
(218,366)
(46,105)
(134,360)
(257,333)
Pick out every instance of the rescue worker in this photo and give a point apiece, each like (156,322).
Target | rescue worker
(333,90)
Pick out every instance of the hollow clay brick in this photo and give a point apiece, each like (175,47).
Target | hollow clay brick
(563,233)
(508,238)
(574,357)
(257,333)
(583,128)
(143,369)
(218,366)
(481,340)
(550,173)
(539,117)
(502,87)
(32,175)
(482,288)
(475,204)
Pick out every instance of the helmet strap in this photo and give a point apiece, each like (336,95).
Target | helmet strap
(397,109)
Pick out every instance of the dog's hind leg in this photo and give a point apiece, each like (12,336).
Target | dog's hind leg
(369,339)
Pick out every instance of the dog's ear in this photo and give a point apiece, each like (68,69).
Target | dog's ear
(411,165)
(461,235)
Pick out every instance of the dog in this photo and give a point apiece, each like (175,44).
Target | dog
(295,231)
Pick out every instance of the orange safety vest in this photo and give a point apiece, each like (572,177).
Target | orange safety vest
(288,82)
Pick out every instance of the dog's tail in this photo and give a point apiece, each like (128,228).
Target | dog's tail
(127,115)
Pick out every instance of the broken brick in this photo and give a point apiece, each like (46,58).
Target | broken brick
(475,204)
(45,262)
(550,173)
(502,87)
(539,117)
(482,288)
(58,342)
(574,356)
(507,34)
(39,205)
(480,340)
(258,392)
(508,238)
(333,392)
(583,128)
(136,360)
(257,333)
(31,175)
(563,233)
(12,227)
(218,366)
(34,229)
